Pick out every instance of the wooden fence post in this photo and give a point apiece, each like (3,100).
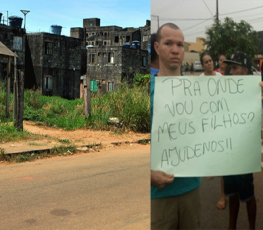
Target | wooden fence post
(20,101)
(85,96)
(15,91)
(8,86)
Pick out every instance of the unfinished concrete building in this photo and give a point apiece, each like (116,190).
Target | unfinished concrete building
(53,64)
(110,66)
(114,54)
(13,38)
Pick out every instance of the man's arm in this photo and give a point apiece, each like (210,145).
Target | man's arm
(261,84)
(159,179)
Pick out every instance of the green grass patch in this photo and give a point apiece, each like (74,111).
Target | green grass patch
(35,144)
(9,133)
(130,105)
(64,141)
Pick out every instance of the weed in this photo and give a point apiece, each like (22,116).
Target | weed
(3,156)
(143,141)
(64,141)
(22,158)
(36,144)
(118,131)
(62,149)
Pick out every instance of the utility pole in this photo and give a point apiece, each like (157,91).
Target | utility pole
(86,84)
(217,14)
(25,13)
(156,16)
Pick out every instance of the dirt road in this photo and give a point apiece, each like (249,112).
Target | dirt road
(50,137)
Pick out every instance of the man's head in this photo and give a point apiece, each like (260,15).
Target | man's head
(240,64)
(170,48)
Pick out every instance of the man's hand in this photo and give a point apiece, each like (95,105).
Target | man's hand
(261,84)
(159,179)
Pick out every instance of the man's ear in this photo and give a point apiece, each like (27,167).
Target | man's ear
(156,47)
(246,72)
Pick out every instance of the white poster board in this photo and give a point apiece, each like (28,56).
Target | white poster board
(206,125)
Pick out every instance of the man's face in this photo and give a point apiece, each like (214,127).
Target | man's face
(170,48)
(238,70)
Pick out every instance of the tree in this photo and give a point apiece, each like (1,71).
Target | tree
(228,37)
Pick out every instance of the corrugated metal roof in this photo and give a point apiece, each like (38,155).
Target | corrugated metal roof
(5,51)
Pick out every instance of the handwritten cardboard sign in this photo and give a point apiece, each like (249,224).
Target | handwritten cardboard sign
(206,125)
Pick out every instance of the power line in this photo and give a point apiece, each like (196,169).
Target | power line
(169,6)
(171,3)
(198,24)
(199,32)
(247,16)
(255,8)
(183,19)
(208,8)
(256,19)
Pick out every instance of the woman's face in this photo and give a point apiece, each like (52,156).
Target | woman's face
(220,62)
(208,64)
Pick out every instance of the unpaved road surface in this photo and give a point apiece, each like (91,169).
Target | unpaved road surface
(50,137)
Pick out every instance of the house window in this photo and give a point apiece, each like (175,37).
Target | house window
(145,38)
(99,54)
(110,86)
(90,24)
(47,82)
(111,57)
(92,59)
(144,61)
(17,43)
(128,38)
(116,39)
(49,48)
(105,43)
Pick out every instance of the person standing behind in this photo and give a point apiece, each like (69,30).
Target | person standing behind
(208,65)
(175,202)
(154,57)
(192,68)
(186,68)
(221,64)
(240,187)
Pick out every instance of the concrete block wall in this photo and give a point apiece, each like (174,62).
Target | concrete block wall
(11,38)
(63,65)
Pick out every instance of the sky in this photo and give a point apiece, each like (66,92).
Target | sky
(68,14)
(195,16)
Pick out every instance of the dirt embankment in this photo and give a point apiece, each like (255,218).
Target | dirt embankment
(49,136)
